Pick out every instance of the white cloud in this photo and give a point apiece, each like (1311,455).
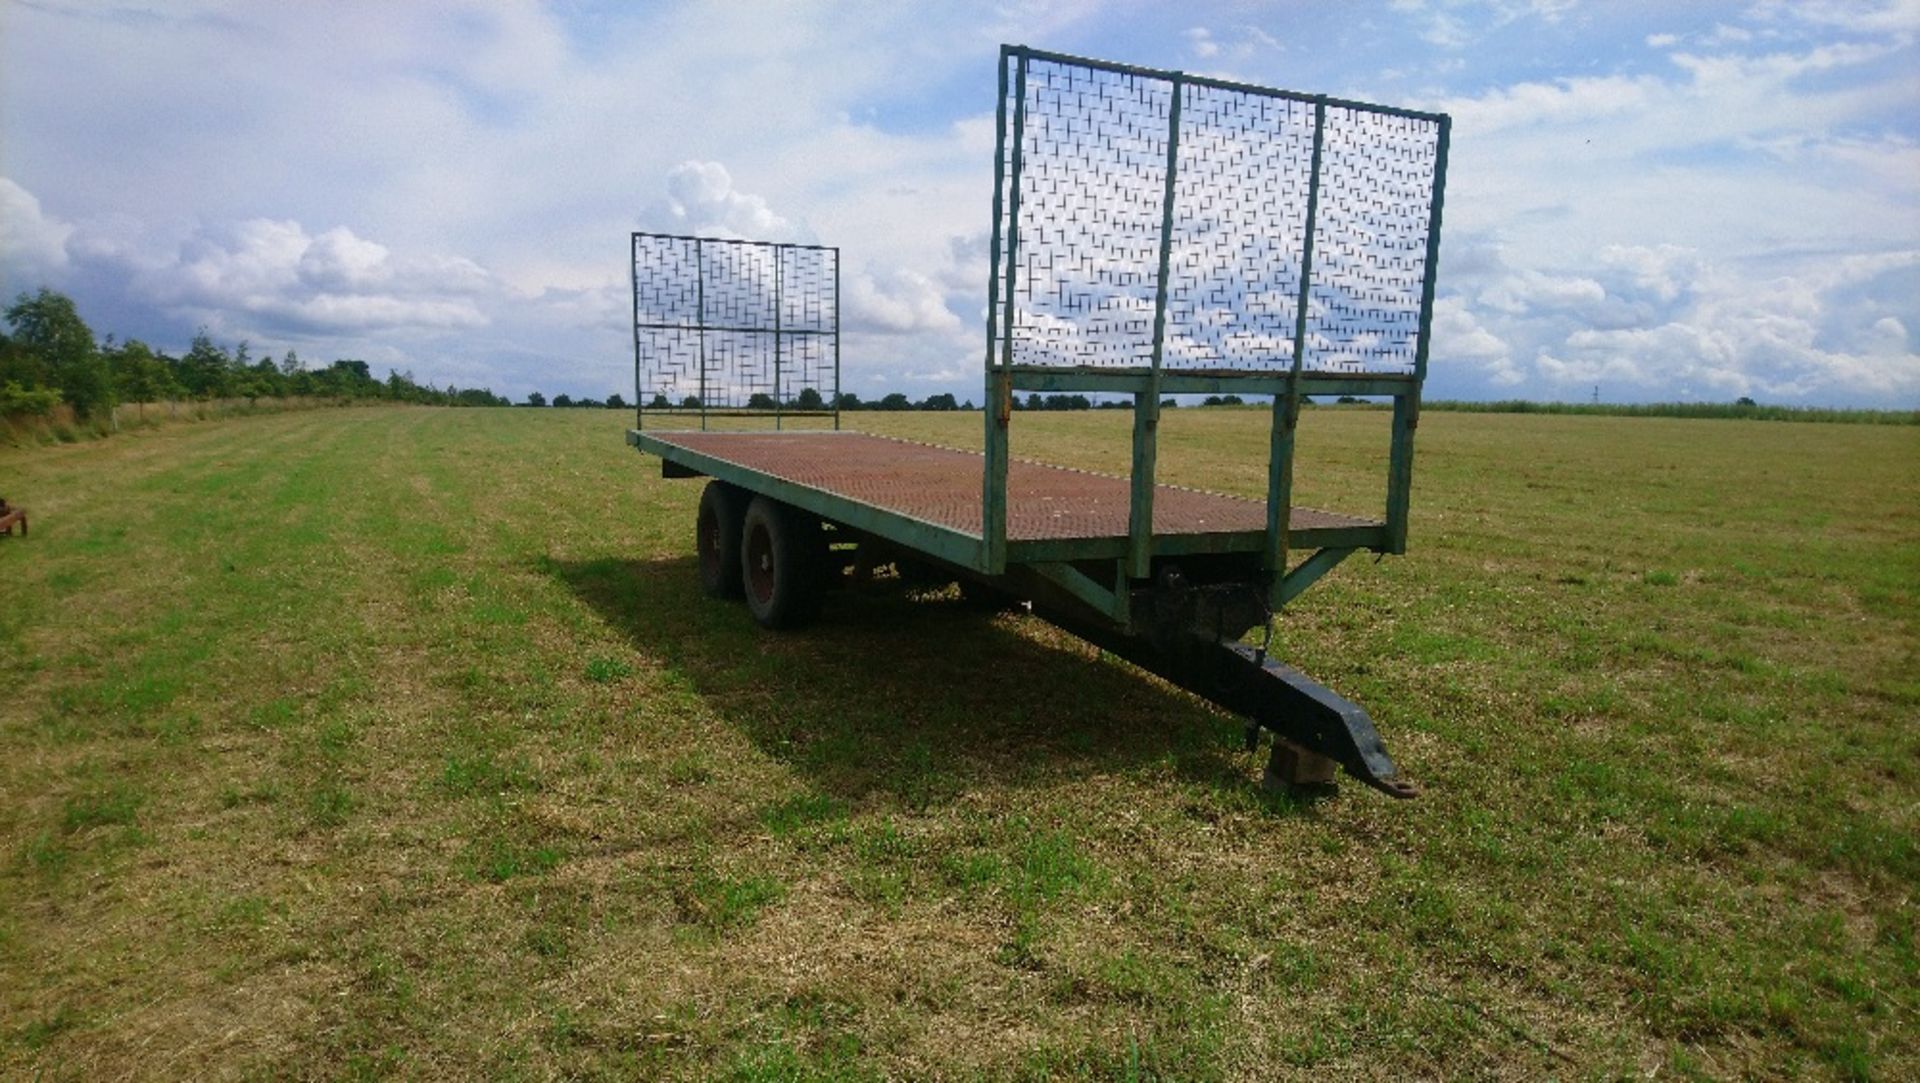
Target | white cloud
(1224,51)
(1739,71)
(1887,161)
(882,298)
(1453,24)
(701,198)
(1560,102)
(1791,337)
(1459,336)
(1446,31)
(33,246)
(1888,338)
(265,279)
(338,260)
(1885,16)
(896,302)
(1709,99)
(1662,270)
(1533,291)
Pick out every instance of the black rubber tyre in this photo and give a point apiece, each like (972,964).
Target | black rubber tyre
(716,537)
(781,564)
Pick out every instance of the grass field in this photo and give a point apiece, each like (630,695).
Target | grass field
(400,742)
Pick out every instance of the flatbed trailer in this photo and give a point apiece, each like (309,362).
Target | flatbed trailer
(1171,224)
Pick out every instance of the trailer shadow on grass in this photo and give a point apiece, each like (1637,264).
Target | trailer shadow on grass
(915,699)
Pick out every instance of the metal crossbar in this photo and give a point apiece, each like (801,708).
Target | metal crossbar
(735,327)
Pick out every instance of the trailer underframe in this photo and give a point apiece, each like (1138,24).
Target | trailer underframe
(880,501)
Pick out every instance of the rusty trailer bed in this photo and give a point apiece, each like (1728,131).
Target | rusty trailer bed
(929,497)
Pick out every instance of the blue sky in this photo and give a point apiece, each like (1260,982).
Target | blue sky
(1666,201)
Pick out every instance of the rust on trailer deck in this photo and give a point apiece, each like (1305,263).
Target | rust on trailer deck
(942,485)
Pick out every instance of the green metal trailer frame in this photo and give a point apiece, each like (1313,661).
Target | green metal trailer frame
(1356,186)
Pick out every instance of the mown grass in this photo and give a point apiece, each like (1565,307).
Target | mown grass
(60,425)
(1718,410)
(400,742)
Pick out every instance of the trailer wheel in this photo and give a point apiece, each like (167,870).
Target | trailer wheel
(780,564)
(717,532)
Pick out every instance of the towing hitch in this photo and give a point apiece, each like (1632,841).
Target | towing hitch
(1302,712)
(1299,711)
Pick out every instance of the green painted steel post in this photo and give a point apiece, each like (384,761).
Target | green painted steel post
(836,340)
(1406,417)
(633,278)
(999,390)
(1146,403)
(700,316)
(1286,407)
(1406,407)
(779,251)
(1146,425)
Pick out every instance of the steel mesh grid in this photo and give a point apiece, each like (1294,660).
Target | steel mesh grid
(739,366)
(1082,224)
(1093,168)
(807,363)
(1370,241)
(739,286)
(808,281)
(672,370)
(1240,217)
(734,324)
(666,280)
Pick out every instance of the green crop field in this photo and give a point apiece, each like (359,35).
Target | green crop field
(401,742)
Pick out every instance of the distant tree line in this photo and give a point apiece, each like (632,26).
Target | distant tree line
(811,399)
(48,356)
(611,402)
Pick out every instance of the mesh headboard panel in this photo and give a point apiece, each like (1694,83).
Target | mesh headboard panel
(734,324)
(1088,208)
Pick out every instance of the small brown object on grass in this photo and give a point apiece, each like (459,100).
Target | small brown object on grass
(1293,766)
(10,515)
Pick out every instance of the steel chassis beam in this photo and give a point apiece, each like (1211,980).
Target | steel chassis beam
(1268,693)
